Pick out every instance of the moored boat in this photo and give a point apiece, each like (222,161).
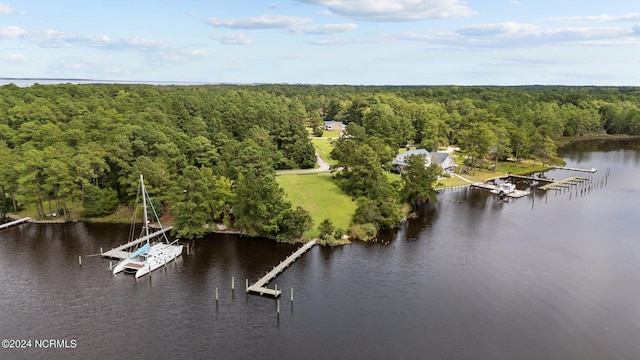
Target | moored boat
(149,257)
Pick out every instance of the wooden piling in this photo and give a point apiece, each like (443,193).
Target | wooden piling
(232,283)
(291,294)
(216,294)
(80,260)
(187,249)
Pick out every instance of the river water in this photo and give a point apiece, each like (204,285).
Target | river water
(550,276)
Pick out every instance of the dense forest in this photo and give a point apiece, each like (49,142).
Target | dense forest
(209,153)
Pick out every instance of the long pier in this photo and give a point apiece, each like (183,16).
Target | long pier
(529,178)
(258,287)
(15,222)
(592,170)
(121,252)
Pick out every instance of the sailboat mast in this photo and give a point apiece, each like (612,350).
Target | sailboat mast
(144,208)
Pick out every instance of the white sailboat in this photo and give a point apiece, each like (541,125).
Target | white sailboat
(149,257)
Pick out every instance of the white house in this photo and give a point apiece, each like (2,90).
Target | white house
(334,125)
(444,160)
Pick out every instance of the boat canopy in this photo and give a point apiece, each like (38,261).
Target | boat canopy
(140,251)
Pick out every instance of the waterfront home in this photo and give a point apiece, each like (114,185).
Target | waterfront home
(334,126)
(443,160)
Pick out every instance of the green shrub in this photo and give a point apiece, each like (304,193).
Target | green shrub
(364,232)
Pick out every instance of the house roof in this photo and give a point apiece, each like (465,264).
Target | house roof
(330,123)
(439,158)
(401,158)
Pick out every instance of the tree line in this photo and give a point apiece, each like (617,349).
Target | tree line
(210,152)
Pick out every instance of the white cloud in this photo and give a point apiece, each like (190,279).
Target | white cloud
(6,9)
(259,22)
(506,28)
(57,39)
(599,18)
(324,29)
(12,32)
(395,10)
(14,57)
(233,39)
(512,34)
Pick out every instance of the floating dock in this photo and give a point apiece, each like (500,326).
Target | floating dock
(565,183)
(258,287)
(592,170)
(15,222)
(123,251)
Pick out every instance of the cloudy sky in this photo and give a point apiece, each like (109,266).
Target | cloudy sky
(412,42)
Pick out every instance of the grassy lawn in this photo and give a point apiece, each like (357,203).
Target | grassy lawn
(391,177)
(74,208)
(324,148)
(523,167)
(331,134)
(321,197)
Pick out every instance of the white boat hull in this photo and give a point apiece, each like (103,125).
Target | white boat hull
(157,256)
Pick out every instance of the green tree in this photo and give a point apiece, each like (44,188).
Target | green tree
(99,202)
(476,142)
(258,204)
(419,181)
(326,229)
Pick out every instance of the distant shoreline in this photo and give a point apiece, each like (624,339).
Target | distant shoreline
(27,82)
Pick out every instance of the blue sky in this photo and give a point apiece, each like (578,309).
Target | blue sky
(368,42)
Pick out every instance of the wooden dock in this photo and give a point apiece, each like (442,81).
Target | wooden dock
(592,170)
(259,286)
(15,222)
(530,178)
(124,251)
(565,183)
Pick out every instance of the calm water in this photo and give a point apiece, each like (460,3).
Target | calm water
(553,276)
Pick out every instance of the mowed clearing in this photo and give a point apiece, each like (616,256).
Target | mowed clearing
(321,197)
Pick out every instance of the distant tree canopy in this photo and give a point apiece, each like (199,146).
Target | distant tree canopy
(210,152)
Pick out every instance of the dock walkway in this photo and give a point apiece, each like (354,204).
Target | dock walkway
(592,170)
(258,287)
(15,222)
(563,183)
(122,252)
(529,178)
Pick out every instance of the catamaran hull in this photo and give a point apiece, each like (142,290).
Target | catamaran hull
(158,256)
(160,261)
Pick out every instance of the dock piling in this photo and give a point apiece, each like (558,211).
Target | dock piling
(80,260)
